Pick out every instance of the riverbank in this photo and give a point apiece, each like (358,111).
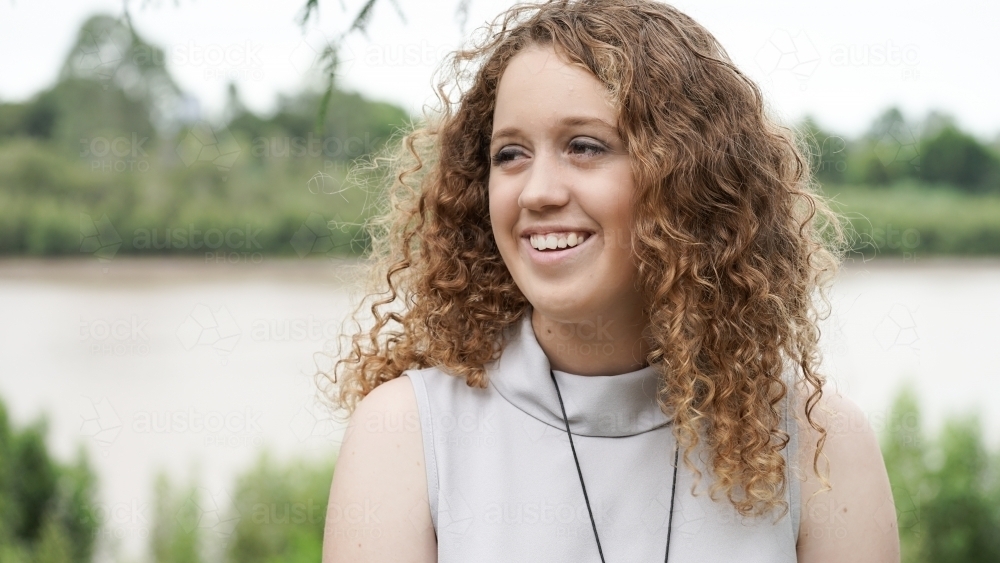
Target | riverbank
(173,270)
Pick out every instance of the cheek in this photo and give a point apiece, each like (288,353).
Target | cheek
(615,212)
(503,212)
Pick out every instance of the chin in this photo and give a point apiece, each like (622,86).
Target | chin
(558,307)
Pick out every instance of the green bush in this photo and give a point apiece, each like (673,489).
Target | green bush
(46,507)
(946,489)
(952,156)
(282,512)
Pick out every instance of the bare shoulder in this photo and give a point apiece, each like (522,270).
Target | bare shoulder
(856,519)
(378,509)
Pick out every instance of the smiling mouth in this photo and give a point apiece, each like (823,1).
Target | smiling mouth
(555,242)
(546,257)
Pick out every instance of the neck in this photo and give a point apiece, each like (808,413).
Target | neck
(609,343)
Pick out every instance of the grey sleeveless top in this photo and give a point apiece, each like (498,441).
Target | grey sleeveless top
(503,485)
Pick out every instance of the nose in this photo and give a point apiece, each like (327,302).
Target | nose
(544,184)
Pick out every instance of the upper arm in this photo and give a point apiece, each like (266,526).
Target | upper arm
(378,509)
(855,520)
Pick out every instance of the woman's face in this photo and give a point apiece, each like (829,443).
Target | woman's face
(560,174)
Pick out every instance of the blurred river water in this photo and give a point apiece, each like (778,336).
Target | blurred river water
(195,367)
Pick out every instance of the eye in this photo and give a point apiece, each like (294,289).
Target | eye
(504,155)
(589,149)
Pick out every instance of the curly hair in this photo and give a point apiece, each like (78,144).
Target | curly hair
(731,235)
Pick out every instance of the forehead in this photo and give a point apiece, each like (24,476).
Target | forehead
(540,85)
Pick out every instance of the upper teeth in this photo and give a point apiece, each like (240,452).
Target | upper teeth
(557,240)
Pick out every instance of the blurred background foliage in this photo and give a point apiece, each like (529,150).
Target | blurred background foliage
(911,187)
(48,509)
(114,158)
(946,487)
(50,512)
(946,490)
(274,513)
(115,138)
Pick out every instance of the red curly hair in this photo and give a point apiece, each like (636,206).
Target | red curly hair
(732,237)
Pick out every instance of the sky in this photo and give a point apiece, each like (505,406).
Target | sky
(841,62)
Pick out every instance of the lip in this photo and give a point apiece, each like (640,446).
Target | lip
(550,257)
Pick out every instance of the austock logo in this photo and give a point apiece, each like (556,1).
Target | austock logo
(102,53)
(99,238)
(787,53)
(313,237)
(212,512)
(205,143)
(316,52)
(203,327)
(100,422)
(897,328)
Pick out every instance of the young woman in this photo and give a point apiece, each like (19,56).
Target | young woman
(602,262)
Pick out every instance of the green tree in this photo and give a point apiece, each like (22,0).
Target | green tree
(954,157)
(887,153)
(53,546)
(946,490)
(108,51)
(963,516)
(36,118)
(903,446)
(46,506)
(282,510)
(111,84)
(176,532)
(827,152)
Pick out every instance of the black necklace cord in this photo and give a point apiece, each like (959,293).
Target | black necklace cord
(673,493)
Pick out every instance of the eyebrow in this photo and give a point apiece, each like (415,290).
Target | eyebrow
(566,122)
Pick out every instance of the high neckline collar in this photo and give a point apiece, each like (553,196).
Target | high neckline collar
(610,406)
